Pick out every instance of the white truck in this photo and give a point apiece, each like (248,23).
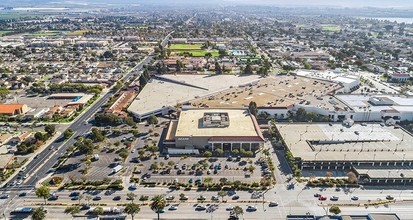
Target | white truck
(117,169)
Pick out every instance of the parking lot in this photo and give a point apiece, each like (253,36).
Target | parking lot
(189,170)
(108,152)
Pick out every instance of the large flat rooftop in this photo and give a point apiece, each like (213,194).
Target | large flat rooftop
(240,124)
(169,90)
(359,103)
(340,143)
(277,91)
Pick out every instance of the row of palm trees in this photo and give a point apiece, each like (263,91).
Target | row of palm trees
(157,205)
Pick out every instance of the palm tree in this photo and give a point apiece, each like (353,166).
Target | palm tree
(237,210)
(158,204)
(132,209)
(222,194)
(39,214)
(88,198)
(43,192)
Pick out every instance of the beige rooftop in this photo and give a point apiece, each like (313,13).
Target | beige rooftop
(240,124)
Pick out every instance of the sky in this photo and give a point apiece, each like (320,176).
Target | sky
(342,3)
(399,4)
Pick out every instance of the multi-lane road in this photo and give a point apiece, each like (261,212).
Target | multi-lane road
(296,201)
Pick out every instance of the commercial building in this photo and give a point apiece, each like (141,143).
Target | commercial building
(226,129)
(13,109)
(162,94)
(77,98)
(377,153)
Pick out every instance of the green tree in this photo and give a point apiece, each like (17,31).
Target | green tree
(152,120)
(181,196)
(132,209)
(208,180)
(252,107)
(218,69)
(123,153)
(237,210)
(248,69)
(222,194)
(73,210)
(39,214)
(97,135)
(335,210)
(98,210)
(68,133)
(4,92)
(131,196)
(43,192)
(219,152)
(84,145)
(50,129)
(129,121)
(207,153)
(158,204)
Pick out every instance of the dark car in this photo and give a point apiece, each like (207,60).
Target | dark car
(74,194)
(22,194)
(75,198)
(235,197)
(200,208)
(389,197)
(97,198)
(116,198)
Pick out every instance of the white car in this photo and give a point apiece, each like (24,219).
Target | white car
(19,182)
(272,204)
(173,207)
(229,208)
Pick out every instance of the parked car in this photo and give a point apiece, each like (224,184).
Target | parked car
(170,197)
(173,207)
(389,197)
(322,198)
(97,198)
(235,197)
(229,208)
(201,198)
(334,198)
(74,194)
(215,198)
(273,203)
(251,208)
(4,196)
(116,198)
(200,208)
(317,195)
(355,198)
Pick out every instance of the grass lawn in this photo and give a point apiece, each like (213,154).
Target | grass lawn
(4,32)
(185,46)
(197,53)
(44,33)
(331,28)
(77,33)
